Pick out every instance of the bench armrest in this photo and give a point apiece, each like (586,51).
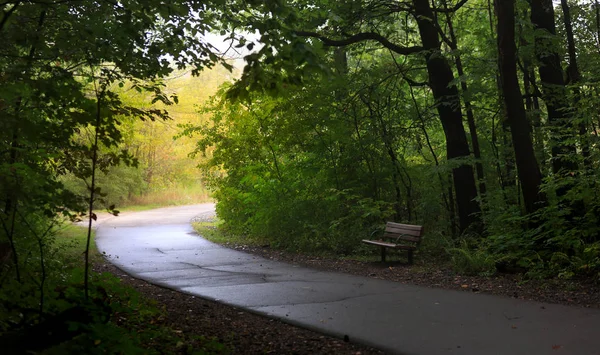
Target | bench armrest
(398,239)
(375,232)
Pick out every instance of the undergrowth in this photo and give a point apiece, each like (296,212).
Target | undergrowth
(469,256)
(115,319)
(469,260)
(216,232)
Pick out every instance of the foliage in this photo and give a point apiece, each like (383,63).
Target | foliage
(159,172)
(337,128)
(281,170)
(469,261)
(121,320)
(64,67)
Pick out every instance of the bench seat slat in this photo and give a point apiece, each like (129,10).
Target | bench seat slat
(389,245)
(380,243)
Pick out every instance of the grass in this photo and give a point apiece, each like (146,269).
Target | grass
(70,243)
(212,231)
(139,208)
(174,196)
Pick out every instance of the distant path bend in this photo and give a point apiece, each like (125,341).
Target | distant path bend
(161,247)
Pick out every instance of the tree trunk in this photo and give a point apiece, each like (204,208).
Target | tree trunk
(527,166)
(553,89)
(505,154)
(574,77)
(532,92)
(532,105)
(453,43)
(448,107)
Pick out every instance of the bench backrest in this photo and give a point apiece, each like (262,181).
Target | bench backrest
(406,232)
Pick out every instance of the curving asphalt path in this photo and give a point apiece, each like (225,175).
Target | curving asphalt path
(160,246)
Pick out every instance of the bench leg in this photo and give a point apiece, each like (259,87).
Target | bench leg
(383,254)
(410,257)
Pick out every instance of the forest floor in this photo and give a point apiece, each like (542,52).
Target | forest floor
(248,333)
(241,332)
(582,292)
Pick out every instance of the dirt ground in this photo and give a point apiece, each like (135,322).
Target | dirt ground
(576,292)
(241,331)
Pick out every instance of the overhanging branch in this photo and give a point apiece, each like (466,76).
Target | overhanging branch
(452,9)
(365,36)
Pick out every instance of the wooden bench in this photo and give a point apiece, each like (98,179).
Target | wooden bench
(399,236)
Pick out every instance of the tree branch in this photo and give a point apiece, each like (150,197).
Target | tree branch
(452,9)
(365,36)
(6,14)
(413,83)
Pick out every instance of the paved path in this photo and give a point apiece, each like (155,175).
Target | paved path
(160,246)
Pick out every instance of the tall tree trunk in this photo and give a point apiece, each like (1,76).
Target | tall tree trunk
(553,88)
(560,110)
(574,77)
(532,104)
(448,107)
(453,43)
(527,166)
(532,92)
(505,154)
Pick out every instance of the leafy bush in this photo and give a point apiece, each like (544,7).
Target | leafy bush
(585,261)
(469,260)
